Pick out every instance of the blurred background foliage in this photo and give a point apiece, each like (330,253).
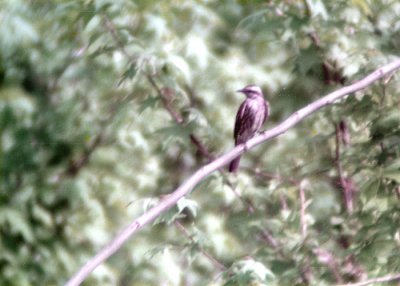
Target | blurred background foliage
(106,106)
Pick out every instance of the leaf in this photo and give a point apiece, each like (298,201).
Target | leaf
(389,123)
(363,6)
(149,102)
(103,5)
(87,14)
(190,205)
(394,166)
(180,131)
(306,60)
(129,73)
(17,223)
(249,271)
(155,251)
(176,212)
(169,217)
(261,21)
(393,176)
(317,8)
(181,65)
(104,49)
(42,215)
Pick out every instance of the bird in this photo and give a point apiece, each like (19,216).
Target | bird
(252,114)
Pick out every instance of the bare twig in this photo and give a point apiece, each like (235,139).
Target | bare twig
(214,261)
(201,148)
(277,177)
(384,279)
(223,160)
(303,221)
(331,73)
(306,273)
(166,96)
(164,93)
(325,257)
(344,133)
(345,183)
(76,165)
(110,27)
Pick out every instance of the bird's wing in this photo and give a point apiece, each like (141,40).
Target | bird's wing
(243,122)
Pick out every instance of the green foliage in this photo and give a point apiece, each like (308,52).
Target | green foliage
(100,105)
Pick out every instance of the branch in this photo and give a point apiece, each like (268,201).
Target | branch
(387,278)
(203,172)
(345,183)
(201,148)
(214,261)
(76,165)
(303,220)
(326,257)
(164,93)
(111,29)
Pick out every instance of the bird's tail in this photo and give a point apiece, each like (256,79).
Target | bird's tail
(234,165)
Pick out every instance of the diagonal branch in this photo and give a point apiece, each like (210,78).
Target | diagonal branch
(166,95)
(384,279)
(203,172)
(163,93)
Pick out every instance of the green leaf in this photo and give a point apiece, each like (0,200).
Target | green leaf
(149,102)
(188,204)
(307,59)
(387,124)
(17,223)
(42,215)
(87,13)
(248,271)
(129,73)
(392,175)
(317,8)
(180,131)
(169,217)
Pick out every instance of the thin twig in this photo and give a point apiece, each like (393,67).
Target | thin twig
(383,279)
(162,93)
(110,27)
(345,183)
(267,237)
(331,73)
(277,177)
(214,261)
(166,99)
(303,221)
(201,148)
(326,257)
(185,188)
(76,165)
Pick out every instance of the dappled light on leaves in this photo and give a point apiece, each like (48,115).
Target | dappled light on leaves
(107,106)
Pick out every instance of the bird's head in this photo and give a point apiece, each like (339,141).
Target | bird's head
(251,91)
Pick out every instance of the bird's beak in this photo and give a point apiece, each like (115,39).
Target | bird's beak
(239,90)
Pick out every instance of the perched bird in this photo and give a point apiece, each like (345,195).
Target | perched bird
(250,117)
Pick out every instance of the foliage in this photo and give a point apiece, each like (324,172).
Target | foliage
(101,103)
